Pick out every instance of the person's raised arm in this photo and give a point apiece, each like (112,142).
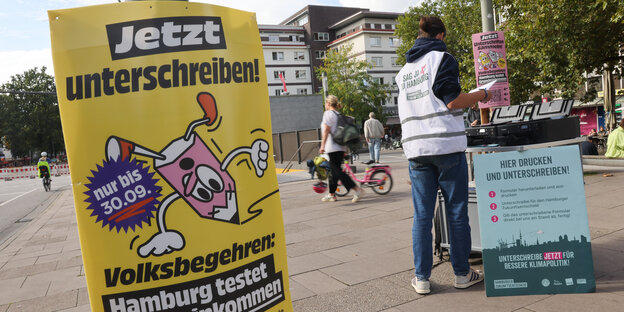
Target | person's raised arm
(464,100)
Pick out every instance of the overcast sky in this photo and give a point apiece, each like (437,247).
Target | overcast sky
(25,34)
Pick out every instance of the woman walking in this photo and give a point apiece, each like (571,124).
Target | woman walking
(335,152)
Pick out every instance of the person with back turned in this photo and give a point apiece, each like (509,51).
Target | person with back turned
(373,132)
(433,134)
(335,152)
(43,167)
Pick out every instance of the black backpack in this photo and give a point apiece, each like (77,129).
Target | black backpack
(346,133)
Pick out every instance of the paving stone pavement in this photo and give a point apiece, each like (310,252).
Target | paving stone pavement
(342,256)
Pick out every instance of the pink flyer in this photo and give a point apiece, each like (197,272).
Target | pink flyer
(490,65)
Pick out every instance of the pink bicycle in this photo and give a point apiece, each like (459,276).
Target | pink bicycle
(377,177)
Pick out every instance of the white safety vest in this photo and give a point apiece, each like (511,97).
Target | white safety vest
(428,126)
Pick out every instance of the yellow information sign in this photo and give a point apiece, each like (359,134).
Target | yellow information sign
(166,118)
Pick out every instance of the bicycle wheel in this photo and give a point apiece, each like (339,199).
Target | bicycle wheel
(381,182)
(341,190)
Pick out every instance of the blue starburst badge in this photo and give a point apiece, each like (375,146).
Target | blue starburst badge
(122,194)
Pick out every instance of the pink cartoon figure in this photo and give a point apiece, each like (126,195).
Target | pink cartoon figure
(196,175)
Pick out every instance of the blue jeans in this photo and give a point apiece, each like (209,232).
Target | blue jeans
(374,145)
(450,173)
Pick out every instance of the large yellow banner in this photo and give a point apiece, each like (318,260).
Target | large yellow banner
(166,119)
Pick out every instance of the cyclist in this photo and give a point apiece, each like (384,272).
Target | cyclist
(43,167)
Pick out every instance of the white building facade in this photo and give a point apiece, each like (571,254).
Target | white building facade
(294,47)
(286,53)
(371,35)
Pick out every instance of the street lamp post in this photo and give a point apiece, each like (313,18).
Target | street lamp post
(487,23)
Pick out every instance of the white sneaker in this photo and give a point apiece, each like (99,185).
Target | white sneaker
(421,286)
(358,194)
(329,198)
(473,277)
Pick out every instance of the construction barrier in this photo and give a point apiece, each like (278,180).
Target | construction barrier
(8,174)
(59,170)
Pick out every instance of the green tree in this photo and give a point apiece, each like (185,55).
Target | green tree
(462,18)
(617,15)
(348,80)
(29,114)
(563,40)
(550,44)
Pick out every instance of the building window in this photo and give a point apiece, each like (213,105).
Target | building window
(320,54)
(393,81)
(302,91)
(277,72)
(375,42)
(377,61)
(294,38)
(273,38)
(394,42)
(396,100)
(321,36)
(300,74)
(394,61)
(302,21)
(278,56)
(378,80)
(299,56)
(278,92)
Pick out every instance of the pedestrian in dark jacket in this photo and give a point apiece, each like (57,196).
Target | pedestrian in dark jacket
(431,111)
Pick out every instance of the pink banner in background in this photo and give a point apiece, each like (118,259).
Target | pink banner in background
(491,64)
(588,117)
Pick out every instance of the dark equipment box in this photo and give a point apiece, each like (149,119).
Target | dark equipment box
(481,135)
(527,124)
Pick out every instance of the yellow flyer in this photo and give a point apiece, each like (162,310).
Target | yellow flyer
(166,118)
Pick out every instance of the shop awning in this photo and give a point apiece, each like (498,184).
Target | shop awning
(593,103)
(393,120)
(619,100)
